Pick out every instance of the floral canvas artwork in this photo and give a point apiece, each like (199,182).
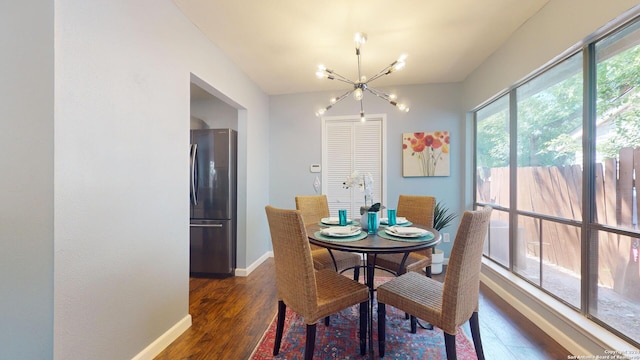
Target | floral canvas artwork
(426,154)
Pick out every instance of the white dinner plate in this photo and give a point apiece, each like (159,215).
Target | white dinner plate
(341,231)
(399,220)
(406,232)
(332,221)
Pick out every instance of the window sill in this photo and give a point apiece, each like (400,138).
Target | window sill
(573,331)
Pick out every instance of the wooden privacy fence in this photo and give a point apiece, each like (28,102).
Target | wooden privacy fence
(557,192)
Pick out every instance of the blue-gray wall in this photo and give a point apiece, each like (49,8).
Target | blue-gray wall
(26,180)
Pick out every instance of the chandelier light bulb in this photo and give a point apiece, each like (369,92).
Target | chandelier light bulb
(360,39)
(333,100)
(393,96)
(399,65)
(362,118)
(320,112)
(357,94)
(403,107)
(322,72)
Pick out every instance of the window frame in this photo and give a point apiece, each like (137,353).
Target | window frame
(588,227)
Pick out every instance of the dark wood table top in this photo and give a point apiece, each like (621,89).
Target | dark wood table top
(373,243)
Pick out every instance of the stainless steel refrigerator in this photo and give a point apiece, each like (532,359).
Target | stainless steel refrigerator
(213,202)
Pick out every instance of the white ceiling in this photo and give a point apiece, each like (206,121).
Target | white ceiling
(280,43)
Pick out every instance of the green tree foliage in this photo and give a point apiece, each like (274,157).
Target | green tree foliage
(549,110)
(618,105)
(493,140)
(550,120)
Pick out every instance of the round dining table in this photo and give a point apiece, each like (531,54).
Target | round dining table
(379,242)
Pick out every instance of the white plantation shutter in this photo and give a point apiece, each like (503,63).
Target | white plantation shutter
(349,145)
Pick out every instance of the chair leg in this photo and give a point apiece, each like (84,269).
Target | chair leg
(282,309)
(450,345)
(327,321)
(475,334)
(311,342)
(382,318)
(414,324)
(356,273)
(364,322)
(428,271)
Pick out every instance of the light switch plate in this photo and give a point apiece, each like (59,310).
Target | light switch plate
(315,168)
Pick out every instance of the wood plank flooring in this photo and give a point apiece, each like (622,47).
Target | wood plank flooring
(230,315)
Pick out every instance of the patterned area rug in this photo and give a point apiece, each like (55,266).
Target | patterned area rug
(340,340)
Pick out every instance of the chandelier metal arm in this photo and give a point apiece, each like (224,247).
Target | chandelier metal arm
(382,95)
(389,98)
(342,97)
(335,101)
(359,73)
(345,81)
(383,72)
(332,75)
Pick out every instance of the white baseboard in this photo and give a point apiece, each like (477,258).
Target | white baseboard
(164,340)
(572,330)
(254,265)
(181,326)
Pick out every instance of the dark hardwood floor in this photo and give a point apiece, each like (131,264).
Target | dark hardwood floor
(230,315)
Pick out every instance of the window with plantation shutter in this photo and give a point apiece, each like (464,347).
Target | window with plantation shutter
(349,145)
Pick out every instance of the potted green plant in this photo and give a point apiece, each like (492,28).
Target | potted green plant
(442,218)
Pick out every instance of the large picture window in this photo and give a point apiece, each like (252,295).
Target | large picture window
(558,156)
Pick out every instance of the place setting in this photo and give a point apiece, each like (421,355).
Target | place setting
(400,221)
(335,221)
(340,220)
(341,233)
(344,231)
(405,233)
(393,220)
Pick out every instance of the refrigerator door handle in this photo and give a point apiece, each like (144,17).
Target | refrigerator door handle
(206,225)
(194,174)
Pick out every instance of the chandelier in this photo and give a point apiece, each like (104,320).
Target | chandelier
(362,84)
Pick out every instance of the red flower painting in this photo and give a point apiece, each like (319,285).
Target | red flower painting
(426,153)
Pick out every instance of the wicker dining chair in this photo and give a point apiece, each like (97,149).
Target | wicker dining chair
(313,209)
(418,210)
(312,294)
(444,305)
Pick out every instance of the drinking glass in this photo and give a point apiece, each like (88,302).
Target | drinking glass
(342,217)
(391,217)
(372,222)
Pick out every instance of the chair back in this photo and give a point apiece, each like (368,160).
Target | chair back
(313,208)
(462,279)
(295,275)
(417,209)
